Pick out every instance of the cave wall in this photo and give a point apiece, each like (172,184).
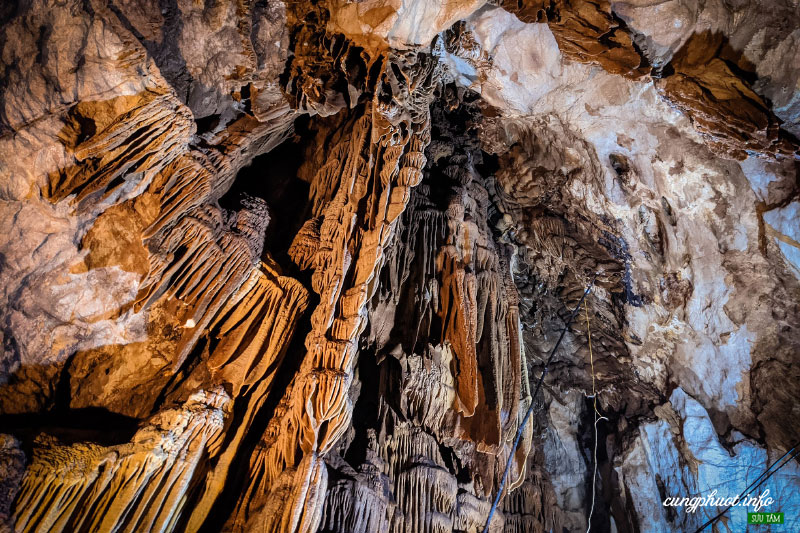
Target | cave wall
(297,266)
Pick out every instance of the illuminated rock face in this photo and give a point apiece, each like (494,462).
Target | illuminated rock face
(297,266)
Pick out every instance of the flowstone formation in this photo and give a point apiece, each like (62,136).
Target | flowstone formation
(278,266)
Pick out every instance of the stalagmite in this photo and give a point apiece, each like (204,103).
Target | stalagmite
(90,487)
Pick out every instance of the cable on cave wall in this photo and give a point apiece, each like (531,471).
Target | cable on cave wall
(533,403)
(761,479)
(597,416)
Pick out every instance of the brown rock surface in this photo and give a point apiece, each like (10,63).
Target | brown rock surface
(704,80)
(587,31)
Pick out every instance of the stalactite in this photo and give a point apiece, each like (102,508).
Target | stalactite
(429,386)
(126,153)
(202,175)
(201,261)
(253,331)
(88,487)
(531,507)
(447,318)
(356,226)
(255,327)
(361,501)
(440,181)
(472,514)
(189,183)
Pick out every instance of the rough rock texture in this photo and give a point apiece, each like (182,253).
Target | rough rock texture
(90,487)
(298,266)
(587,31)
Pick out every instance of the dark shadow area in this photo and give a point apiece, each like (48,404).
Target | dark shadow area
(602,499)
(273,177)
(69,426)
(366,411)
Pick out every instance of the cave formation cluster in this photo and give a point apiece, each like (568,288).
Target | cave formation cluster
(296,266)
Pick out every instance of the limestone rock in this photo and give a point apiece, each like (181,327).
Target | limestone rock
(66,488)
(586,31)
(12,468)
(702,80)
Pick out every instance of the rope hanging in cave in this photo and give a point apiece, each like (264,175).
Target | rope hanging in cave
(597,416)
(533,402)
(760,480)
